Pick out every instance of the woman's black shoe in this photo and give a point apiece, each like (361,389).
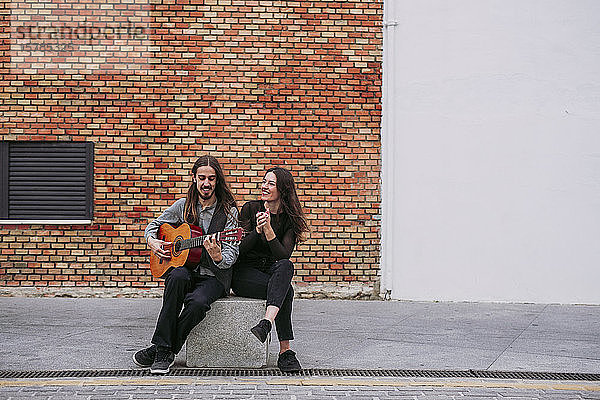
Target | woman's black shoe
(287,362)
(262,329)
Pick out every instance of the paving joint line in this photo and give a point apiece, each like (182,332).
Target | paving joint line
(307,381)
(518,336)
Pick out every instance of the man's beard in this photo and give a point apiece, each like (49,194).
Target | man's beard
(204,196)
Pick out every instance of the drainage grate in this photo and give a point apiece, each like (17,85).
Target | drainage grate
(241,372)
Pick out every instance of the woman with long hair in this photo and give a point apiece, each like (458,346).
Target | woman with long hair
(275,224)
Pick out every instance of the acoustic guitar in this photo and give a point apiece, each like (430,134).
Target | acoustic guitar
(186,245)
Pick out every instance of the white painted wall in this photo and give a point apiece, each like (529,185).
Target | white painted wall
(491,150)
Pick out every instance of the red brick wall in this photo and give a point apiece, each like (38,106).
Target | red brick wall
(255,83)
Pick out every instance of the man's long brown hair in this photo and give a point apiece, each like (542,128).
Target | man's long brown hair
(290,204)
(224,196)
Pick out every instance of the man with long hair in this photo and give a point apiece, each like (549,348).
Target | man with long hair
(210,205)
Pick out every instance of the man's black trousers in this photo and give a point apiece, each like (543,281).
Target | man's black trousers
(192,292)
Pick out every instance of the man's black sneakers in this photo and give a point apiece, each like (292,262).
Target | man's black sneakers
(163,360)
(287,362)
(144,358)
(262,329)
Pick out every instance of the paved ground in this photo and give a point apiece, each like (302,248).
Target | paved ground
(293,389)
(65,333)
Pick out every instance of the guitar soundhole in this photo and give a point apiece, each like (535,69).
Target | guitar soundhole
(177,246)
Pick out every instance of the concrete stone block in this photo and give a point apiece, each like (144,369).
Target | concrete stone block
(223,339)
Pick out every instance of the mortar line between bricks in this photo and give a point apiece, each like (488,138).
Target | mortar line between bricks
(308,382)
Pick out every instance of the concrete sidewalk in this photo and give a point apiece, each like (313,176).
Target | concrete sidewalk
(103,333)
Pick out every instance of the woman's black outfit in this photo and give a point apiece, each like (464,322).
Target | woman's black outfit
(263,269)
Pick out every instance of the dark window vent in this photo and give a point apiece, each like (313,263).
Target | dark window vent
(47,180)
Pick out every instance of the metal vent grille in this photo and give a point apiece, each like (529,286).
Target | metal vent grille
(217,372)
(49,180)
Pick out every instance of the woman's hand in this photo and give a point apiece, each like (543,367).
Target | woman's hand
(263,222)
(213,247)
(259,222)
(160,248)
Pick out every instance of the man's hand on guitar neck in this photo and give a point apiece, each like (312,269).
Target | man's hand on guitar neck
(160,248)
(214,248)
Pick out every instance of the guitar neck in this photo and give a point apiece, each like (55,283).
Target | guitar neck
(196,242)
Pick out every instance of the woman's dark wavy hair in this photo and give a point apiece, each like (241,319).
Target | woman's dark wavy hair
(289,202)
(225,198)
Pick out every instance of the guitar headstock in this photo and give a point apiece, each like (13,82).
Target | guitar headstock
(232,235)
